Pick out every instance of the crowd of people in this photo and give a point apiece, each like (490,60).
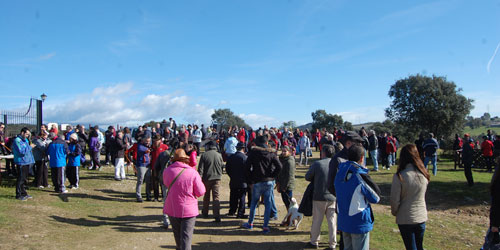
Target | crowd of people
(165,158)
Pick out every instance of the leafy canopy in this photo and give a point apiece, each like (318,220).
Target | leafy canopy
(225,118)
(428,104)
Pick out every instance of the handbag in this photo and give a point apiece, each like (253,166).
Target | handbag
(172,183)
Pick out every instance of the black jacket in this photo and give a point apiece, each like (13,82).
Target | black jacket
(333,168)
(373,143)
(262,165)
(235,168)
(119,148)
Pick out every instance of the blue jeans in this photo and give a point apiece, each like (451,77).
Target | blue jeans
(356,241)
(433,159)
(413,235)
(262,188)
(274,209)
(391,159)
(373,155)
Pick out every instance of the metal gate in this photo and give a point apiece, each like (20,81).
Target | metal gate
(15,121)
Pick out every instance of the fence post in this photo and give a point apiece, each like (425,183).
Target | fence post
(39,117)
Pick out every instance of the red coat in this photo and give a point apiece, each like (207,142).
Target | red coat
(156,152)
(242,136)
(487,148)
(391,145)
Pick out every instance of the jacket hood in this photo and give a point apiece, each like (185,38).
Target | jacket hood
(263,149)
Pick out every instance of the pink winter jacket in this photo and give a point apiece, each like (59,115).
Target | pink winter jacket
(192,159)
(182,197)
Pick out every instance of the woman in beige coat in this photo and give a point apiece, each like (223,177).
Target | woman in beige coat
(409,185)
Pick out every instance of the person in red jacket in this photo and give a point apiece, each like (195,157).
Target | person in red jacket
(487,149)
(241,135)
(391,149)
(158,148)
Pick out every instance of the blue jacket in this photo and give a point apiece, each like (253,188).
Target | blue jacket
(75,151)
(57,152)
(22,152)
(355,192)
(143,158)
(430,147)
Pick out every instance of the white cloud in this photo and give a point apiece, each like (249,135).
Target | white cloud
(120,104)
(257,121)
(364,114)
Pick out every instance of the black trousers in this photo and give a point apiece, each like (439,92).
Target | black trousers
(237,201)
(41,174)
(73,175)
(58,178)
(489,162)
(22,180)
(10,166)
(468,172)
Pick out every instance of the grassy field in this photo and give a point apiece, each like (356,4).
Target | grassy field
(103,214)
(480,131)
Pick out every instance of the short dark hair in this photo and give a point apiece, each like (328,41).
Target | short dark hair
(261,140)
(355,153)
(328,150)
(24,130)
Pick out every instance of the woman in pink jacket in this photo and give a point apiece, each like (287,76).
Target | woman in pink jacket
(184,187)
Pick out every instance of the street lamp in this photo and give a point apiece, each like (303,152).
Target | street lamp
(43,96)
(39,111)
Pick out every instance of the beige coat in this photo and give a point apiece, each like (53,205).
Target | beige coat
(408,196)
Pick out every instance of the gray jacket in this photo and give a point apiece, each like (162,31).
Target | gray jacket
(210,166)
(318,172)
(40,148)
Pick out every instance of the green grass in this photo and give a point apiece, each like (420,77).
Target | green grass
(480,131)
(102,214)
(458,215)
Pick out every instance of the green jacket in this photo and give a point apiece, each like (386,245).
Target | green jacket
(286,177)
(210,166)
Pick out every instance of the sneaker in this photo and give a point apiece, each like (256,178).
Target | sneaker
(247,226)
(74,187)
(90,168)
(28,196)
(70,186)
(41,187)
(22,198)
(139,200)
(64,192)
(388,168)
(309,245)
(383,168)
(266,230)
(275,218)
(118,179)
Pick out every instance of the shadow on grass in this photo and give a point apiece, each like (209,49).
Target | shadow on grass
(447,195)
(126,223)
(67,197)
(248,245)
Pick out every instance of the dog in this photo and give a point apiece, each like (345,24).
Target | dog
(293,218)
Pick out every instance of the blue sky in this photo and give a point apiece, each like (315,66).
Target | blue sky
(108,62)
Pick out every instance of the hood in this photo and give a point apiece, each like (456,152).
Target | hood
(263,149)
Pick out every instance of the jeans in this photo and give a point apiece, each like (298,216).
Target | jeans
(262,188)
(356,241)
(391,159)
(373,155)
(274,209)
(433,159)
(413,235)
(143,175)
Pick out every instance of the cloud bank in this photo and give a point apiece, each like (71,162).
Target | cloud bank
(121,104)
